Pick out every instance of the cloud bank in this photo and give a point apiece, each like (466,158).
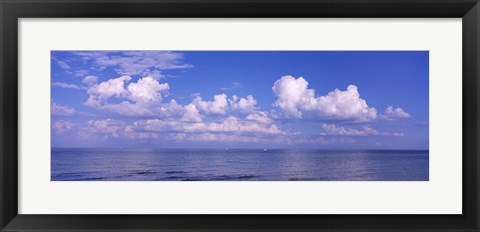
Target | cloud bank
(219,118)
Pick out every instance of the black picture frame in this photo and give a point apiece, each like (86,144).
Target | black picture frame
(12,10)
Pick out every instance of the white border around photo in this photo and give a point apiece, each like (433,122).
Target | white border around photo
(442,194)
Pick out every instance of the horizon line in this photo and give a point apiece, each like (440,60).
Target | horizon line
(228,148)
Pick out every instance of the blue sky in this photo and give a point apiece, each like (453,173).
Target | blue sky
(240,99)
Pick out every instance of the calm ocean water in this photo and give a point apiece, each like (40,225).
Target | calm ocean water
(75,164)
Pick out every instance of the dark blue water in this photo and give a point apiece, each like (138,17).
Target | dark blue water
(237,165)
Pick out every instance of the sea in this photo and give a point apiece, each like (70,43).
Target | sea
(102,164)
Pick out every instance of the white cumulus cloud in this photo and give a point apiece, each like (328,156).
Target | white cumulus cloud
(393,114)
(147,90)
(144,98)
(260,117)
(217,106)
(113,87)
(244,105)
(139,98)
(296,100)
(190,114)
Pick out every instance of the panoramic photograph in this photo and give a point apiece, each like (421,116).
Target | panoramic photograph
(239,115)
